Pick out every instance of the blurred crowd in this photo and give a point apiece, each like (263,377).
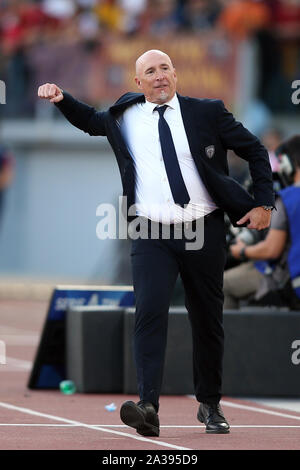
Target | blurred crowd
(275,25)
(23,22)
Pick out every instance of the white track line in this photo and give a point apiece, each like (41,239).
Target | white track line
(78,423)
(20,340)
(15,364)
(258,410)
(253,408)
(12,330)
(164,426)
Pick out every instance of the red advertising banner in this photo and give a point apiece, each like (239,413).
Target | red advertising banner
(205,66)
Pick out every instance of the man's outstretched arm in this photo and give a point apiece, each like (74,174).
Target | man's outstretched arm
(79,114)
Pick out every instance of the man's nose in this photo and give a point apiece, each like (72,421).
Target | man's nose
(159,75)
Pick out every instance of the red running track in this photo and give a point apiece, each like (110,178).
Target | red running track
(49,420)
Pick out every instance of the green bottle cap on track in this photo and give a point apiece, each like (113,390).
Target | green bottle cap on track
(67,387)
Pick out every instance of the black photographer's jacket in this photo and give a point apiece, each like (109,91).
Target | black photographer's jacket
(208,125)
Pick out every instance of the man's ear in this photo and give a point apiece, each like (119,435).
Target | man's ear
(138,82)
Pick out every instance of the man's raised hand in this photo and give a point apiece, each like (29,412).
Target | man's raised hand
(51,92)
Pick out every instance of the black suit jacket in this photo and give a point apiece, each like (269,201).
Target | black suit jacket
(207,123)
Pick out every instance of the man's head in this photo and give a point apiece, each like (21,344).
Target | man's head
(156,76)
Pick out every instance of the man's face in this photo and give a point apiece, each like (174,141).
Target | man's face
(156,77)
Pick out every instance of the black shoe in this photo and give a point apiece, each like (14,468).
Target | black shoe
(212,416)
(142,416)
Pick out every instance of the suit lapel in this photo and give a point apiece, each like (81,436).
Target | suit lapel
(125,101)
(189,123)
(189,119)
(115,111)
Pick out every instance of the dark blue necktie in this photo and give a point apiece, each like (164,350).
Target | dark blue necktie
(177,185)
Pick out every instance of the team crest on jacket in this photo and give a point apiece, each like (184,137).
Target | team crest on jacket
(210,151)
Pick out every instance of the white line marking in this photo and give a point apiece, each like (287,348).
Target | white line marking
(15,364)
(258,410)
(262,426)
(253,408)
(163,426)
(20,340)
(78,423)
(12,330)
(281,404)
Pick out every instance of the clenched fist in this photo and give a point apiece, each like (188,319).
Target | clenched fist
(51,92)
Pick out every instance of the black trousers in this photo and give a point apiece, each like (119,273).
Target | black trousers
(156,264)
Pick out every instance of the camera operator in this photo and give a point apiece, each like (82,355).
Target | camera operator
(270,272)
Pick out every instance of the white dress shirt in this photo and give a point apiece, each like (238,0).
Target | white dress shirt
(153,196)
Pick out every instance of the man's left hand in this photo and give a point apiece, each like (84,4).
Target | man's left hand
(235,249)
(258,218)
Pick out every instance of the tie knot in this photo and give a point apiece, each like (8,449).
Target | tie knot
(161,109)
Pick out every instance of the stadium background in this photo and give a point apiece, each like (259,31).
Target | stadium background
(245,52)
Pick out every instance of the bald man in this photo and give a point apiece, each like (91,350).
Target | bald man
(171,152)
